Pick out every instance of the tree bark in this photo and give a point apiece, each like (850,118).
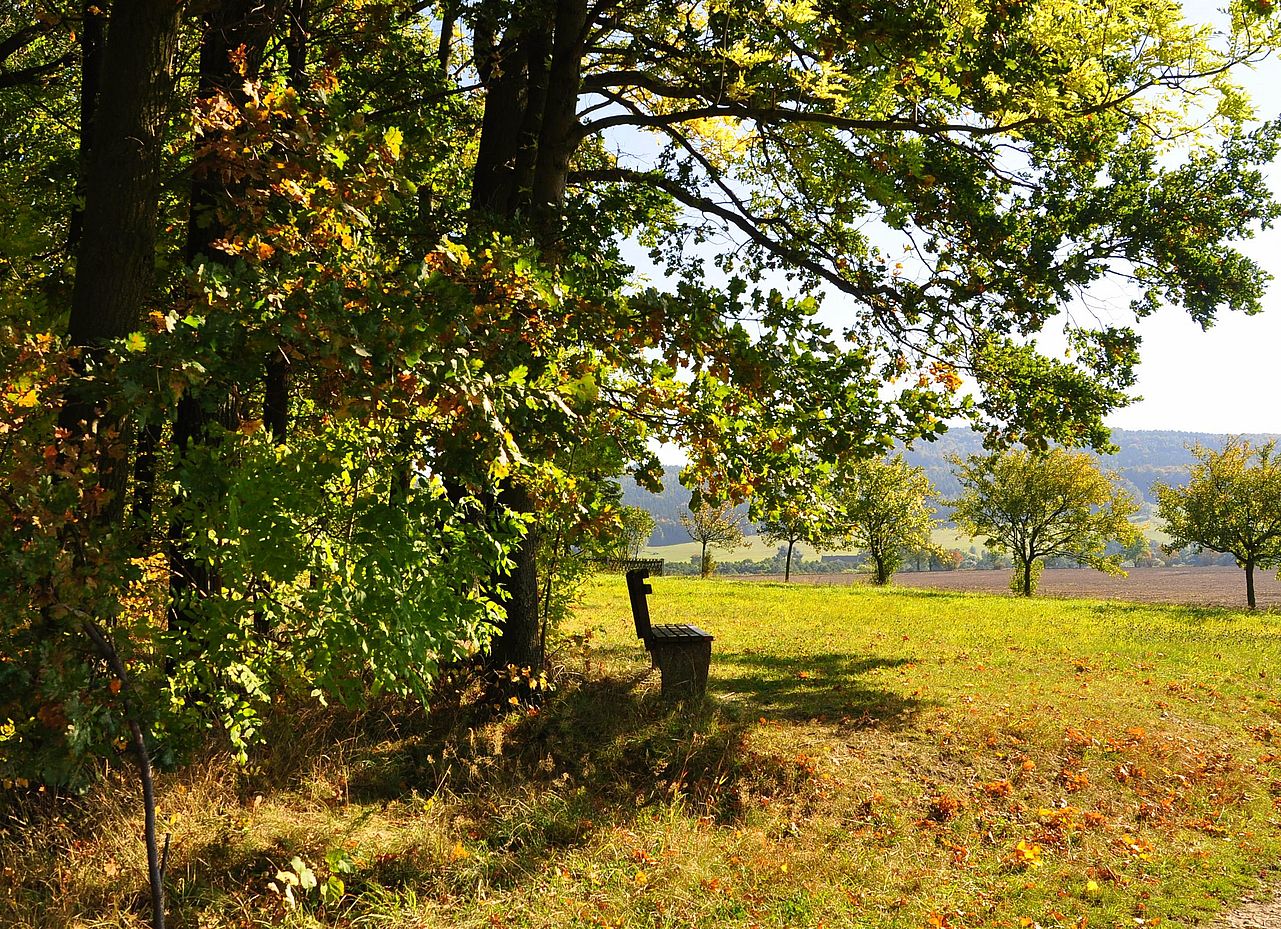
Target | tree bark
(1249,583)
(882,572)
(122,178)
(787,569)
(532,78)
(520,643)
(1027,578)
(557,135)
(92,44)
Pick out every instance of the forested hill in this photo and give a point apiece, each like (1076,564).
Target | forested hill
(1143,457)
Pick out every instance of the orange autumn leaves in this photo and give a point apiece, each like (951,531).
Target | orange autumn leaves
(1146,791)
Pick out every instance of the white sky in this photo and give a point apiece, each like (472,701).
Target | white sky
(1226,379)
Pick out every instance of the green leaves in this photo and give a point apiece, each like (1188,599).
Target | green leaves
(886,510)
(1044,504)
(1231,503)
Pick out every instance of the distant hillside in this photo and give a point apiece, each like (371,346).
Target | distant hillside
(1143,457)
(666,508)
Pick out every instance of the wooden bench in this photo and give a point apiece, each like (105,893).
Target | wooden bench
(681,652)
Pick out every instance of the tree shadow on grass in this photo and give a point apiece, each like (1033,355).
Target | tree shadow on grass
(825,686)
(523,784)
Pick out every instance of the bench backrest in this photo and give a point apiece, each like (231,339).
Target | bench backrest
(637,590)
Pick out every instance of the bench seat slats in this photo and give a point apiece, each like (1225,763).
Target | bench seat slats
(671,631)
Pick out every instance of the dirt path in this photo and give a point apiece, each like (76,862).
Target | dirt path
(1254,914)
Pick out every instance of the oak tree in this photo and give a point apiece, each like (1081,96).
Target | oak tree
(947,177)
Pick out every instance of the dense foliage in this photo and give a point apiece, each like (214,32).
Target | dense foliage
(887,511)
(1039,505)
(328,315)
(1231,504)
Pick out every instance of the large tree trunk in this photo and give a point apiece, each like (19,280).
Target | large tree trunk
(93,35)
(787,569)
(122,176)
(528,135)
(117,232)
(1027,578)
(1249,583)
(520,643)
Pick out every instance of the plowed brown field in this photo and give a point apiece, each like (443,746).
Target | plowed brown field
(1215,586)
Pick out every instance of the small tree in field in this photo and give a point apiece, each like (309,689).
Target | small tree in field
(713,524)
(636,526)
(1036,505)
(887,511)
(1232,504)
(797,507)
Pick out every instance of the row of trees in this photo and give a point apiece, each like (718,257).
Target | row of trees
(1032,506)
(880,506)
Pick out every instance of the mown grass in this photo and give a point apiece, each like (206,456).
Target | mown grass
(897,758)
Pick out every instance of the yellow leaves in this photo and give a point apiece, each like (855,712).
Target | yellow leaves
(24,399)
(458,852)
(1134,847)
(723,140)
(641,879)
(795,11)
(1025,855)
(946,374)
(135,342)
(393,138)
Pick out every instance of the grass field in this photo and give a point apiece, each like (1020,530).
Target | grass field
(900,758)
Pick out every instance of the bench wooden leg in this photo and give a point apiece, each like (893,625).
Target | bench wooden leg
(683,667)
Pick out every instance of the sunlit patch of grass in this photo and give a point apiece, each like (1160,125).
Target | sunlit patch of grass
(897,758)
